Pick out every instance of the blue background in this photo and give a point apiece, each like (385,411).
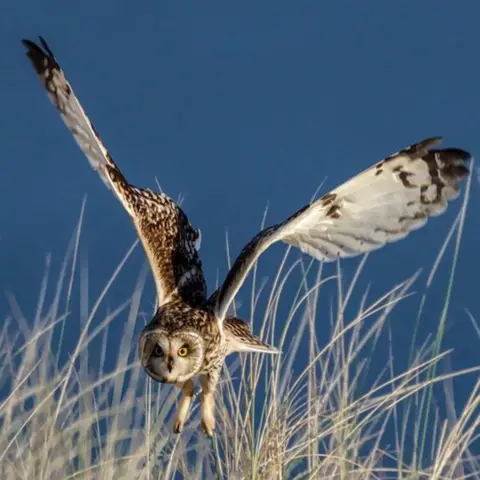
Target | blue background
(235,106)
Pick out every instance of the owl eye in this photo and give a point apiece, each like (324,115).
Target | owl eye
(182,351)
(158,352)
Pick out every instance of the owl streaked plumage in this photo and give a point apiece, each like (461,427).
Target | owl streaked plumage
(191,334)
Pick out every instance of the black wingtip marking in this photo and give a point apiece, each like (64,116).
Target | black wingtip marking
(422,148)
(46,47)
(31,45)
(28,43)
(455,154)
(42,59)
(454,162)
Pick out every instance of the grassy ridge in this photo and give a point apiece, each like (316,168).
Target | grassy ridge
(313,412)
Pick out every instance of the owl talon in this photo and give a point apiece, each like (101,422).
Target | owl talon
(183,406)
(208,427)
(177,427)
(180,417)
(208,413)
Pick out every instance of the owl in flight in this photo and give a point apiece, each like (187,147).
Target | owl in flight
(191,334)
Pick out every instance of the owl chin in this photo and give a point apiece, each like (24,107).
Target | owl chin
(167,379)
(157,378)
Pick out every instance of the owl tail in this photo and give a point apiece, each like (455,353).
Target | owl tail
(240,338)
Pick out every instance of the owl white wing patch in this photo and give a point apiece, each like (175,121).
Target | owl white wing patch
(166,234)
(380,205)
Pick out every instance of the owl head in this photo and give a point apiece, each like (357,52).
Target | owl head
(171,357)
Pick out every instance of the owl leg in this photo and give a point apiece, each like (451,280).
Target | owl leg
(207,409)
(183,406)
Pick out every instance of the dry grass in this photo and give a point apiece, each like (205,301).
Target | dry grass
(316,411)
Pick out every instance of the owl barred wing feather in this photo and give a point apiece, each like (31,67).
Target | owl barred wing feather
(166,234)
(240,338)
(378,206)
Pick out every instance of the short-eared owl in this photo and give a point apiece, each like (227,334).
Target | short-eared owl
(191,333)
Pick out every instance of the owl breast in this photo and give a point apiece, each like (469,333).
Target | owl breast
(214,357)
(215,349)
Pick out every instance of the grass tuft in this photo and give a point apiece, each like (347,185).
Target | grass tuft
(322,409)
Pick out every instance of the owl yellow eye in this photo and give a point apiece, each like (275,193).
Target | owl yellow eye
(182,351)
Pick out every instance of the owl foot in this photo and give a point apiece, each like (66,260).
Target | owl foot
(178,425)
(208,426)
(181,415)
(208,414)
(183,406)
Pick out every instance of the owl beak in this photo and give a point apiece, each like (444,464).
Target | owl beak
(145,350)
(170,363)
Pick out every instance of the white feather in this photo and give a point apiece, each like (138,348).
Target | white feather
(378,206)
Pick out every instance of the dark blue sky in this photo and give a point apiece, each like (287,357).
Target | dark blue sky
(234,106)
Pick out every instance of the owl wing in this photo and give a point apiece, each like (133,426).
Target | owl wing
(239,338)
(169,240)
(378,206)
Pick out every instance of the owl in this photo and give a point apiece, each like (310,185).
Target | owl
(191,333)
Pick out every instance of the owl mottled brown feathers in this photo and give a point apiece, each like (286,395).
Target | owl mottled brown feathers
(190,335)
(167,236)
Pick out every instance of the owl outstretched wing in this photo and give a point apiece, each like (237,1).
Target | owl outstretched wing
(169,240)
(378,206)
